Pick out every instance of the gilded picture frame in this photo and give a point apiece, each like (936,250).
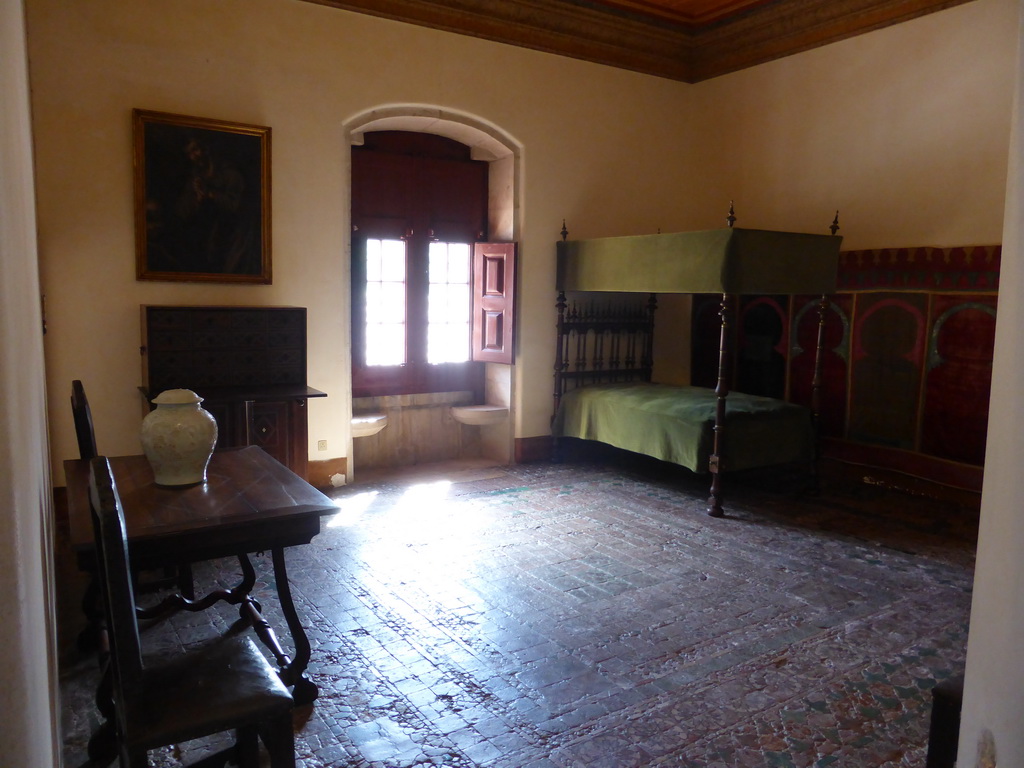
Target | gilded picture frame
(202,199)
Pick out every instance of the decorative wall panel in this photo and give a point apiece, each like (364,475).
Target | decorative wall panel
(908,347)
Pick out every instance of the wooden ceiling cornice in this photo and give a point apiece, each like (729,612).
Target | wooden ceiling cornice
(661,44)
(790,26)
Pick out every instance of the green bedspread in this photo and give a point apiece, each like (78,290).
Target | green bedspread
(676,424)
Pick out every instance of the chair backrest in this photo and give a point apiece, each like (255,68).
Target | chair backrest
(83,421)
(114,572)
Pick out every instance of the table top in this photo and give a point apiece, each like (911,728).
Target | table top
(250,502)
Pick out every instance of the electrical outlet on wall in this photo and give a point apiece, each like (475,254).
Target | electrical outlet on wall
(321,445)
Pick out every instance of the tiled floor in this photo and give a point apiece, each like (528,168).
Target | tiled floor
(554,616)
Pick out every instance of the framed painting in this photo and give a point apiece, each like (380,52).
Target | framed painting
(202,199)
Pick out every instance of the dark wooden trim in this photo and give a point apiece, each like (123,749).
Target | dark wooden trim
(494,294)
(911,465)
(817,383)
(319,473)
(581,32)
(725,312)
(528,449)
(650,44)
(783,28)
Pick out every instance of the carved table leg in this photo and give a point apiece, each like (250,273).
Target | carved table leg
(180,602)
(305,691)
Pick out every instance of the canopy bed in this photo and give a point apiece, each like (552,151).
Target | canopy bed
(604,355)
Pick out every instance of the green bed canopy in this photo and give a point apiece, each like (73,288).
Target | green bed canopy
(728,260)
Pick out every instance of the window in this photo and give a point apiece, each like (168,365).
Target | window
(449,303)
(419,203)
(384,327)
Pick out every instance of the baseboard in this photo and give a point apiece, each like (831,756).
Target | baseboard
(329,473)
(892,462)
(533,449)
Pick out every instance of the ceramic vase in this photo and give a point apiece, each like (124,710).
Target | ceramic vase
(178,437)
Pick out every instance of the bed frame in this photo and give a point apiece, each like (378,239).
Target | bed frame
(604,342)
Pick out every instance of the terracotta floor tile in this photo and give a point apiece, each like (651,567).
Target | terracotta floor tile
(554,616)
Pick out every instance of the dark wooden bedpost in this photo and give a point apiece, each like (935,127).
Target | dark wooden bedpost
(560,361)
(722,392)
(647,363)
(816,385)
(818,381)
(560,365)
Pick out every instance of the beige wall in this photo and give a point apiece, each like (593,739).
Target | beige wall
(29,733)
(595,142)
(904,130)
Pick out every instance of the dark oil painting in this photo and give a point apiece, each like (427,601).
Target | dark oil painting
(202,199)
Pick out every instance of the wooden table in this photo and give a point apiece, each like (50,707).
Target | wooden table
(249,503)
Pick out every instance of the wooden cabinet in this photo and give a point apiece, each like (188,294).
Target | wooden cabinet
(247,363)
(273,418)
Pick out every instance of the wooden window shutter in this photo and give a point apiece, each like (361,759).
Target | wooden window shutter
(494,280)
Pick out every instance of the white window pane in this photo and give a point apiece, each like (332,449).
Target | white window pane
(385,303)
(448,344)
(372,260)
(459,342)
(392,305)
(449,303)
(436,346)
(438,265)
(458,263)
(372,344)
(437,301)
(374,303)
(393,344)
(385,344)
(458,304)
(392,260)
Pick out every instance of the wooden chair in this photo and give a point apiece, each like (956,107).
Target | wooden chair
(82,416)
(86,436)
(189,693)
(83,421)
(181,577)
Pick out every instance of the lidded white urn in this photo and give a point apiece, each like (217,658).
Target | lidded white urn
(178,437)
